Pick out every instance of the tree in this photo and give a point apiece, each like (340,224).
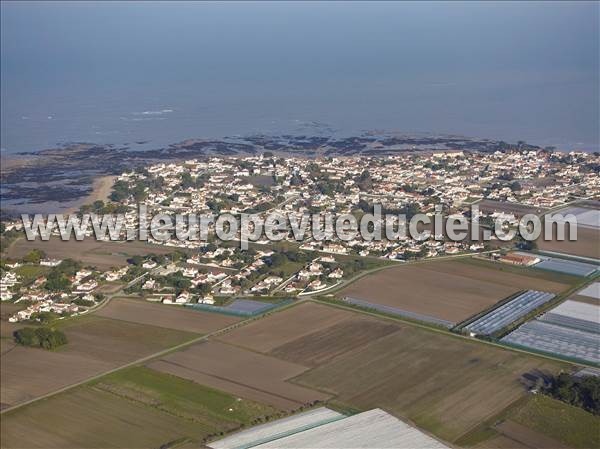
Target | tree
(40,337)
(120,191)
(580,392)
(136,260)
(515,186)
(203,289)
(186,180)
(56,281)
(98,205)
(34,256)
(364,181)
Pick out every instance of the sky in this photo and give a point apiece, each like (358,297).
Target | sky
(116,72)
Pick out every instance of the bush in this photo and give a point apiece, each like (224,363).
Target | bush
(34,256)
(40,337)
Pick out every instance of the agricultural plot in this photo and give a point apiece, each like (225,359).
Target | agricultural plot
(571,330)
(586,245)
(283,327)
(555,339)
(447,291)
(518,210)
(370,429)
(92,418)
(161,315)
(277,429)
(400,312)
(323,345)
(239,307)
(591,291)
(537,422)
(562,422)
(509,312)
(444,385)
(586,217)
(101,254)
(6,311)
(95,345)
(137,407)
(575,314)
(567,266)
(240,372)
(6,345)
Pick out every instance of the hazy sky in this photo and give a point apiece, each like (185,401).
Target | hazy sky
(504,70)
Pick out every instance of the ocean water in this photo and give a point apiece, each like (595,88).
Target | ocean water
(148,74)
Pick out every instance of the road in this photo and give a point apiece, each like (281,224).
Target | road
(293,304)
(362,274)
(130,364)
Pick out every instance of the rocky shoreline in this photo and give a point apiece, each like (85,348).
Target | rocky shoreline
(58,179)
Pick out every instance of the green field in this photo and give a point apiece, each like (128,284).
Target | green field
(563,422)
(28,273)
(524,271)
(541,418)
(182,397)
(134,408)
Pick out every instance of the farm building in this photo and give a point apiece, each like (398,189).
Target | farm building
(519,259)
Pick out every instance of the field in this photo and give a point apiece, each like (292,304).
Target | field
(448,290)
(100,254)
(161,315)
(586,245)
(323,345)
(6,310)
(518,210)
(560,421)
(95,345)
(243,373)
(28,273)
(284,327)
(448,386)
(133,408)
(537,422)
(444,385)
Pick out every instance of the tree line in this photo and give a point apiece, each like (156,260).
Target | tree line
(40,337)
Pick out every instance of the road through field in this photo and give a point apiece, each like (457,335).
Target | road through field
(145,359)
(295,303)
(362,274)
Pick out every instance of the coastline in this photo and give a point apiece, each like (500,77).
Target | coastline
(101,188)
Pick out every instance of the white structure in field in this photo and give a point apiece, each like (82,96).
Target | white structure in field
(277,429)
(325,429)
(591,291)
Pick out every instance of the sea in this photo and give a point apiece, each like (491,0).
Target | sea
(148,74)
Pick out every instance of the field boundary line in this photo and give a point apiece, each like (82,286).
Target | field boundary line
(453,334)
(156,355)
(235,382)
(347,282)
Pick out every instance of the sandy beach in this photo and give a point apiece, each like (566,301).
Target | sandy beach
(101,188)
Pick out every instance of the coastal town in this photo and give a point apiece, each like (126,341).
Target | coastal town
(504,185)
(300,225)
